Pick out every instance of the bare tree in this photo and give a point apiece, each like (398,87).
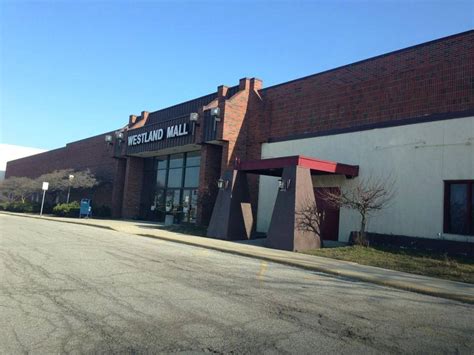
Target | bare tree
(308,219)
(367,196)
(84,179)
(18,188)
(59,180)
(21,188)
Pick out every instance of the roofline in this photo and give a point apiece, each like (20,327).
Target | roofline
(314,164)
(188,101)
(184,102)
(373,58)
(385,124)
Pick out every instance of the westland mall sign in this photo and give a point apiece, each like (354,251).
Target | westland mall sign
(159,134)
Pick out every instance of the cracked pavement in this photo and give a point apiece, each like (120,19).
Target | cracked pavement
(69,288)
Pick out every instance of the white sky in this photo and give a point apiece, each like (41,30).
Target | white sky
(11,152)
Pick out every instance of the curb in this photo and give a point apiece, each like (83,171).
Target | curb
(354,276)
(57,220)
(412,287)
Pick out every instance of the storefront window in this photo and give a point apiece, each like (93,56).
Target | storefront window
(159,204)
(177,180)
(176,160)
(189,205)
(191,177)
(175,177)
(162,162)
(172,201)
(193,159)
(161,178)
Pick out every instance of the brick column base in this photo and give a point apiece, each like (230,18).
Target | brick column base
(132,188)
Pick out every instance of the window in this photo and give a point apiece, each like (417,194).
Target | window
(175,188)
(175,177)
(193,159)
(162,162)
(161,178)
(191,177)
(459,207)
(176,160)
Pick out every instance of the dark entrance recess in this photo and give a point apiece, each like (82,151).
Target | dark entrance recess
(459,207)
(296,190)
(329,224)
(171,187)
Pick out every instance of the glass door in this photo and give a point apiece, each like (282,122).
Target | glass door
(189,205)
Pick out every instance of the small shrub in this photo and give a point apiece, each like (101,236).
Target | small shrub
(23,207)
(102,211)
(47,208)
(67,209)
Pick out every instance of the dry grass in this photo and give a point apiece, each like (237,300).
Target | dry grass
(412,261)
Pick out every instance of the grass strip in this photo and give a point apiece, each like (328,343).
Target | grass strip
(406,260)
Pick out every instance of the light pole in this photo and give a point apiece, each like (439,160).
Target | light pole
(44,188)
(71,177)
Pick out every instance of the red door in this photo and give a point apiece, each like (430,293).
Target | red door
(329,224)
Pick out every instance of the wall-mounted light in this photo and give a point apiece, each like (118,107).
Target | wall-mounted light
(119,135)
(193,116)
(109,139)
(284,185)
(215,112)
(222,184)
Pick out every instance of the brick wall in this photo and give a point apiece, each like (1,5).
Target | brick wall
(117,193)
(209,173)
(91,153)
(434,77)
(240,118)
(132,187)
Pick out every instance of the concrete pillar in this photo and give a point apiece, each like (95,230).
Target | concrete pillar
(284,231)
(232,217)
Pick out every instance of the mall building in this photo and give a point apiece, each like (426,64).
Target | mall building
(244,158)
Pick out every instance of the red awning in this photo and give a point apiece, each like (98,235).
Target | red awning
(274,166)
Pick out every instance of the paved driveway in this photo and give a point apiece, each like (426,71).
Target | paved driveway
(71,288)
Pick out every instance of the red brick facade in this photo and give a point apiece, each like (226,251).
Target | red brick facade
(91,153)
(433,78)
(209,173)
(132,187)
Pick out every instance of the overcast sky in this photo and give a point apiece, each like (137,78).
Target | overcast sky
(73,69)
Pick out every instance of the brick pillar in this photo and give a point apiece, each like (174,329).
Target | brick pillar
(117,191)
(132,188)
(209,174)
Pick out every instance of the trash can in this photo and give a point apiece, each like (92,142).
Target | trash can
(86,209)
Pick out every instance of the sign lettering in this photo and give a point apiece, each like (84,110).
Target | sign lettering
(159,134)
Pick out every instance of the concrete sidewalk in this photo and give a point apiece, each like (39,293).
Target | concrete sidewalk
(422,284)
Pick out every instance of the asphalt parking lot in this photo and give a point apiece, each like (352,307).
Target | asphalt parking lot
(71,288)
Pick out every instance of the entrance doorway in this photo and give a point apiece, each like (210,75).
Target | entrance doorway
(171,187)
(329,224)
